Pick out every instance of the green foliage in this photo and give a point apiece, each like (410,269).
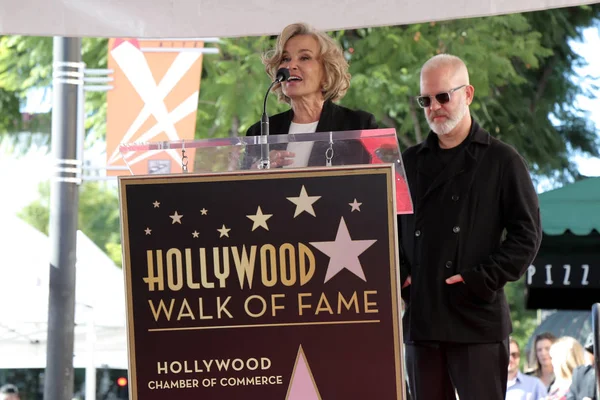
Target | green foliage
(98,215)
(10,118)
(26,63)
(233,87)
(520,65)
(524,321)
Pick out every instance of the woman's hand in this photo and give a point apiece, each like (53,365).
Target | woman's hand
(281,158)
(278,159)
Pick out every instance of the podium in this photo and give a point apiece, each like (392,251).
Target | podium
(272,283)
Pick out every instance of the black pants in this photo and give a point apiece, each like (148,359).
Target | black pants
(476,371)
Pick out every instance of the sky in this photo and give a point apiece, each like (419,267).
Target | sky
(589,50)
(24,174)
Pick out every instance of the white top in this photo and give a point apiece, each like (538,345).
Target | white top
(301,149)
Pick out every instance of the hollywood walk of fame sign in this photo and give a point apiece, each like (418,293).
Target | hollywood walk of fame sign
(263,285)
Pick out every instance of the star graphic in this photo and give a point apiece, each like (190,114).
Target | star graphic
(355,206)
(204,211)
(223,231)
(343,252)
(259,219)
(176,218)
(148,231)
(156,204)
(304,202)
(195,234)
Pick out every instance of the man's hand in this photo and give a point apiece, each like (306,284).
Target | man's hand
(407,282)
(455,279)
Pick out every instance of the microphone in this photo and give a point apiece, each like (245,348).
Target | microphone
(282,75)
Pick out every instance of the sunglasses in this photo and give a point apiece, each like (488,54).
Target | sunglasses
(442,98)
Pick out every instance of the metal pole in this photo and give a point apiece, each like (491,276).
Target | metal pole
(90,369)
(64,201)
(596,331)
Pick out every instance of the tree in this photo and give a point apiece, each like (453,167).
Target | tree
(26,63)
(98,215)
(521,66)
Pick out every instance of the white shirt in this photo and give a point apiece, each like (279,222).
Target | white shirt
(301,149)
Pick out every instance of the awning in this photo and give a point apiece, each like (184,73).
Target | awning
(566,272)
(231,18)
(574,208)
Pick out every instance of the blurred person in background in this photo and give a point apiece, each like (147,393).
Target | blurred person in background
(567,354)
(520,386)
(9,392)
(541,360)
(583,385)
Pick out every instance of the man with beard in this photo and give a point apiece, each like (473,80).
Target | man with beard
(476,226)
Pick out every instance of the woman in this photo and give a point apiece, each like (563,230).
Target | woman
(542,361)
(318,77)
(566,353)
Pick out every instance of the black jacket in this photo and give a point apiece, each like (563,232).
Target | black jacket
(461,212)
(333,118)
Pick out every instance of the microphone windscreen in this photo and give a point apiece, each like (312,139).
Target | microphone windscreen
(282,75)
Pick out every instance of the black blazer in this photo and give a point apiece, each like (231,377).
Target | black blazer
(333,118)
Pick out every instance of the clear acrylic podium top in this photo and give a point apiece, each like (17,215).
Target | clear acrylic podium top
(320,149)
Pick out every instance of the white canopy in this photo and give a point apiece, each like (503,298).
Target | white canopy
(24,277)
(227,18)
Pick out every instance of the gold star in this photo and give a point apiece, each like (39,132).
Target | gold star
(259,219)
(223,231)
(176,218)
(156,204)
(195,234)
(304,202)
(204,211)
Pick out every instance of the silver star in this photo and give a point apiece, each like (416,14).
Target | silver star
(176,218)
(148,231)
(156,204)
(355,206)
(204,211)
(195,234)
(343,253)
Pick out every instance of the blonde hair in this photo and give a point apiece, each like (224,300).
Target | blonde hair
(567,353)
(337,77)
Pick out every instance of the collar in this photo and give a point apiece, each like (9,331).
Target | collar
(476,135)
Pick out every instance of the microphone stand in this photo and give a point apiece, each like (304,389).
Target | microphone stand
(265,162)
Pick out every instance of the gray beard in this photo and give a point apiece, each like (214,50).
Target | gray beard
(445,128)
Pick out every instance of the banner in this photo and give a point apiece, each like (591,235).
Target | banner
(155,98)
(263,285)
